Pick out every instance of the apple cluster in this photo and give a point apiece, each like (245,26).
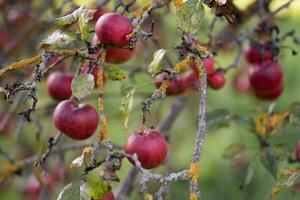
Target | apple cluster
(190,79)
(265,74)
(79,122)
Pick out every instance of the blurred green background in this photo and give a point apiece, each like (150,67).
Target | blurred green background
(219,179)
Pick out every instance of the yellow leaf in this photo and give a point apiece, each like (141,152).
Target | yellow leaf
(261,124)
(275,120)
(275,190)
(148,197)
(178,3)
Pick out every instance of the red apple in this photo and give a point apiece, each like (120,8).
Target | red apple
(112,29)
(115,55)
(149,145)
(98,13)
(53,59)
(271,93)
(59,85)
(175,86)
(265,76)
(109,196)
(216,80)
(297,150)
(77,122)
(191,80)
(2,4)
(60,172)
(118,55)
(257,52)
(4,37)
(16,17)
(32,187)
(241,82)
(208,63)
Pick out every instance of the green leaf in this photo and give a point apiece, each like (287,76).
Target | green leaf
(82,85)
(84,17)
(115,73)
(96,186)
(70,18)
(269,160)
(58,39)
(155,67)
(126,107)
(70,192)
(232,150)
(2,89)
(189,16)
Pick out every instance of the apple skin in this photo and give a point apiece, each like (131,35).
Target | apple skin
(241,83)
(53,59)
(4,37)
(265,76)
(270,94)
(150,147)
(109,196)
(78,123)
(115,55)
(208,63)
(216,80)
(16,17)
(99,12)
(175,86)
(255,52)
(191,80)
(112,29)
(297,150)
(59,85)
(118,55)
(32,187)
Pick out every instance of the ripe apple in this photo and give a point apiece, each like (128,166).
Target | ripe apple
(271,93)
(115,55)
(191,80)
(99,12)
(265,76)
(112,29)
(77,122)
(32,187)
(216,80)
(16,17)
(208,63)
(149,145)
(256,52)
(4,37)
(241,82)
(59,85)
(109,196)
(53,59)
(175,86)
